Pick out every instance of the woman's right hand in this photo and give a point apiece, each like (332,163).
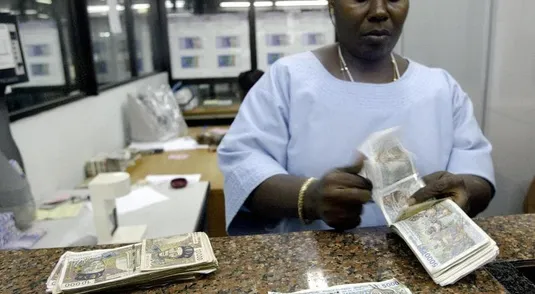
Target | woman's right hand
(338,197)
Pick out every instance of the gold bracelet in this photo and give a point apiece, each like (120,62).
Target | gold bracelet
(301,201)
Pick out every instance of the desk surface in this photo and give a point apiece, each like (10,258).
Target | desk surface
(211,112)
(257,264)
(182,213)
(201,161)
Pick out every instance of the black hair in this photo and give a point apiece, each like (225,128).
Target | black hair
(247,79)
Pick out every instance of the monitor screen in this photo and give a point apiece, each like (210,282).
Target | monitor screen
(12,66)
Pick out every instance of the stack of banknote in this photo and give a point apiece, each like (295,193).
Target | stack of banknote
(444,239)
(147,264)
(389,286)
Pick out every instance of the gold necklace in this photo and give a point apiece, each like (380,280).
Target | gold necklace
(344,67)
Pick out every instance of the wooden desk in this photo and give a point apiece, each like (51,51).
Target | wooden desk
(201,161)
(212,112)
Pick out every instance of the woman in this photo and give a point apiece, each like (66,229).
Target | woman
(305,118)
(246,81)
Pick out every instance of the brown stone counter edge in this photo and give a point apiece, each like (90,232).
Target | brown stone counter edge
(291,262)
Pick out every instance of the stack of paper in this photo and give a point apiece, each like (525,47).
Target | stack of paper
(389,286)
(137,199)
(61,211)
(185,143)
(150,263)
(444,239)
(13,239)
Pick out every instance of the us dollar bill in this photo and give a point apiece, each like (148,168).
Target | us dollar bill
(97,268)
(392,286)
(441,235)
(176,252)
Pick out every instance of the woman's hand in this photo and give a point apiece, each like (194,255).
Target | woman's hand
(471,193)
(338,197)
(442,185)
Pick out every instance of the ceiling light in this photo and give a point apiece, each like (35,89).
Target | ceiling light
(263,4)
(102,8)
(301,3)
(243,4)
(43,16)
(234,4)
(30,12)
(179,4)
(44,1)
(141,6)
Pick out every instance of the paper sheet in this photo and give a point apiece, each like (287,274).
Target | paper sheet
(159,179)
(7,59)
(136,200)
(186,143)
(66,210)
(26,240)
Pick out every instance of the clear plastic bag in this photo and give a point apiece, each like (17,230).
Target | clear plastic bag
(155,116)
(15,195)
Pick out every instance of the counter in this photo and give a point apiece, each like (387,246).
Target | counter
(257,264)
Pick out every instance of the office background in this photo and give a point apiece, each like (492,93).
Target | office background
(92,53)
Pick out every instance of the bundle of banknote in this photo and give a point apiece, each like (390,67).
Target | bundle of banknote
(147,264)
(392,286)
(444,239)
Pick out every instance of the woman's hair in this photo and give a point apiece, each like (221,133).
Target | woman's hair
(247,79)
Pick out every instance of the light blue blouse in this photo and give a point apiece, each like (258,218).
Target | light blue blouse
(300,120)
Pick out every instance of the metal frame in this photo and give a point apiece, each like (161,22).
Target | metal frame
(82,49)
(252,35)
(488,69)
(62,41)
(131,37)
(66,89)
(82,53)
(205,81)
(160,37)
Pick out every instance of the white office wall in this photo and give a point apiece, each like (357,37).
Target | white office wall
(453,35)
(55,144)
(510,117)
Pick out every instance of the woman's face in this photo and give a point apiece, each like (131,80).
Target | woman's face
(369,29)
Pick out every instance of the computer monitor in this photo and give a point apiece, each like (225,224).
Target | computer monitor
(12,65)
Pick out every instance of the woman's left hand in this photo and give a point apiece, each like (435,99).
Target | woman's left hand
(443,185)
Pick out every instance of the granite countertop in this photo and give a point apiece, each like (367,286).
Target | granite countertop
(291,262)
